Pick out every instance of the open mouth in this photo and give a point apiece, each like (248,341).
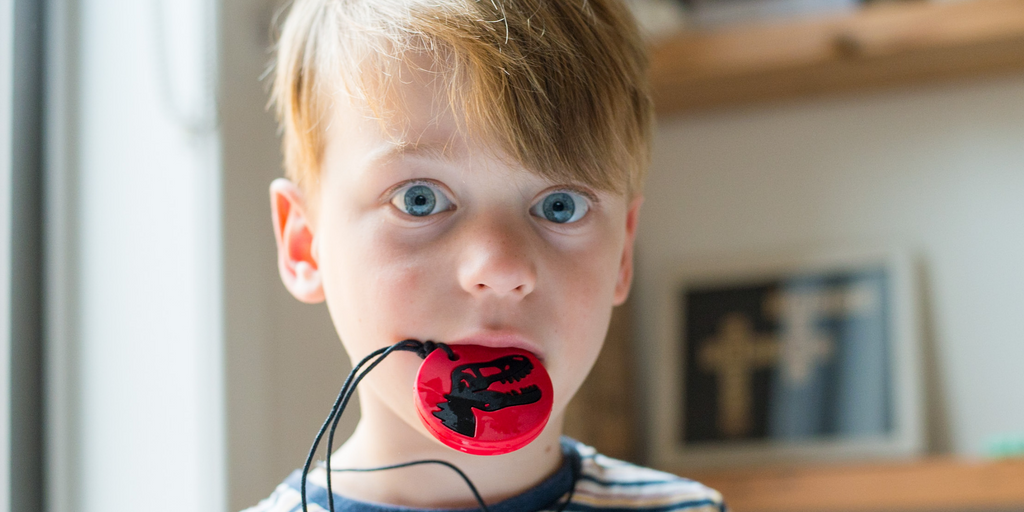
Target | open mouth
(503,339)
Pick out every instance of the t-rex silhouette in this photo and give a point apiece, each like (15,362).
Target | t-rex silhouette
(469,391)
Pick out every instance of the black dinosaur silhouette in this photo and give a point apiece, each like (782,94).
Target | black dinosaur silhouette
(469,391)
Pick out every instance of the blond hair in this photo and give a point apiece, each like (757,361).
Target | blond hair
(560,86)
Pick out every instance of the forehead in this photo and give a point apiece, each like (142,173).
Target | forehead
(416,112)
(421,104)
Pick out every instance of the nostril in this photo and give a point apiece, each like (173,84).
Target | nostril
(486,276)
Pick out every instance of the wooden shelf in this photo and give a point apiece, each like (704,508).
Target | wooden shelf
(933,485)
(881,45)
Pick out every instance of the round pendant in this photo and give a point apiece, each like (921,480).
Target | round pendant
(489,401)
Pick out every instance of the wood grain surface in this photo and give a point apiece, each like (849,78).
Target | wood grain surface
(879,46)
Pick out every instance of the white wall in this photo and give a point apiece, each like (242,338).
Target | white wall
(182,375)
(147,384)
(6,123)
(937,169)
(284,363)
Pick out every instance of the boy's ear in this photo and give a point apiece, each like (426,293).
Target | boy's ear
(296,257)
(625,278)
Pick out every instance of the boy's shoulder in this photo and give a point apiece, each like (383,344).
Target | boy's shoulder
(606,484)
(602,484)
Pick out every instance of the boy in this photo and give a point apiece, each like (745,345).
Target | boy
(468,172)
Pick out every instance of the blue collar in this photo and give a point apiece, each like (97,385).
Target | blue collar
(539,497)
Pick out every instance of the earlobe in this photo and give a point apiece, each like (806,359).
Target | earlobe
(296,255)
(625,277)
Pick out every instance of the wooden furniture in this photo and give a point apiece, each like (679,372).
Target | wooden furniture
(880,45)
(933,485)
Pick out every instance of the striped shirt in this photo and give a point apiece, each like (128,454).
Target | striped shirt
(603,485)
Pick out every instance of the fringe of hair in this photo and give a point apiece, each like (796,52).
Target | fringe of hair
(560,86)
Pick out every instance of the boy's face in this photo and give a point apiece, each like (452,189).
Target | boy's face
(435,238)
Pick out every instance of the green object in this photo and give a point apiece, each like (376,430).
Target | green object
(1006,446)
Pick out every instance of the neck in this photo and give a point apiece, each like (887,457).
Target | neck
(382,438)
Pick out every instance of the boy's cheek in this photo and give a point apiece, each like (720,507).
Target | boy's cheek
(377,299)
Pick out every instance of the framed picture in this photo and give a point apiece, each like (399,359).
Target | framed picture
(784,359)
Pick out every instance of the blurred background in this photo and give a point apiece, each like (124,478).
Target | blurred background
(151,359)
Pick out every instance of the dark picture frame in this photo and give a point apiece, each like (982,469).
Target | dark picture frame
(786,358)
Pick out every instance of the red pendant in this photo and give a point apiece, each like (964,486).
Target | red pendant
(488,402)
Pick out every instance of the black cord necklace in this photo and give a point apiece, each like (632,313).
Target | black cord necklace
(422,349)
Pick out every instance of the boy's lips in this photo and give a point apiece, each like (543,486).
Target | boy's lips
(500,339)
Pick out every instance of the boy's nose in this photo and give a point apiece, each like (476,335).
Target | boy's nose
(497,260)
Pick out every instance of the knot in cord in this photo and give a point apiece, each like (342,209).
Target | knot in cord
(424,348)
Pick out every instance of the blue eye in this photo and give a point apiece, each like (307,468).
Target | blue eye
(421,199)
(561,207)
